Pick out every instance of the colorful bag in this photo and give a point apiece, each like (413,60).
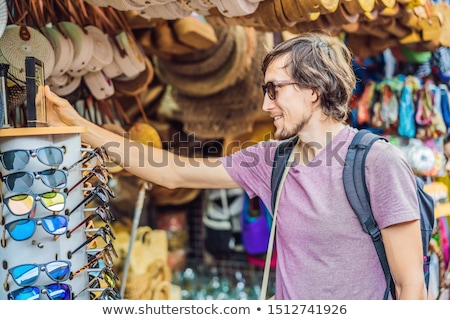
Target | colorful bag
(255,226)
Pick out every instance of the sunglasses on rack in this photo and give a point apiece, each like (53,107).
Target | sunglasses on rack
(22,181)
(28,274)
(101,173)
(23,204)
(24,229)
(103,212)
(105,232)
(108,294)
(270,87)
(102,192)
(89,154)
(105,254)
(107,274)
(17,159)
(54,291)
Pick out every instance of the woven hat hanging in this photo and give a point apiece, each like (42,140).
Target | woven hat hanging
(233,110)
(136,85)
(202,62)
(233,70)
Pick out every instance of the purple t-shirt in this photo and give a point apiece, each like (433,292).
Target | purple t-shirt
(322,252)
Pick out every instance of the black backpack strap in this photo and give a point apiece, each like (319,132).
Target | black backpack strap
(279,164)
(354,177)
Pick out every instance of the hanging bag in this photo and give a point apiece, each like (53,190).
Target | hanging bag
(406,121)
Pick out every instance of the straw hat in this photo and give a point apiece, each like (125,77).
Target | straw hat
(137,85)
(231,111)
(229,73)
(202,61)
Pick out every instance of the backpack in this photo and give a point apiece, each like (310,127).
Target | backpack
(358,196)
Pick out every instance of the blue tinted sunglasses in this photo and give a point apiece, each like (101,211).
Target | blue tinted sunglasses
(24,229)
(54,291)
(27,274)
(17,159)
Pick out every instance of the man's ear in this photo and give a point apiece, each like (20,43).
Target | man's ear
(315,96)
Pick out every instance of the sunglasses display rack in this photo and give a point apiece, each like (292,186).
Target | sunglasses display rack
(36,253)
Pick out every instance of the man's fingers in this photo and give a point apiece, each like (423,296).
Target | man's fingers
(53,97)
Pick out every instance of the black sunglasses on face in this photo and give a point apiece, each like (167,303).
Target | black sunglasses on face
(270,87)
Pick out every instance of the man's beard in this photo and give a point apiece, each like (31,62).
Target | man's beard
(285,133)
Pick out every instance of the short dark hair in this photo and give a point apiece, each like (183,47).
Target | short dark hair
(320,62)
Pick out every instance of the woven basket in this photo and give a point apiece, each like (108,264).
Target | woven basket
(17,42)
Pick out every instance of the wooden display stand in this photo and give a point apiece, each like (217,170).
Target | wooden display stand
(42,247)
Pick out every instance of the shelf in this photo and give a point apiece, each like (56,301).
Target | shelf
(15,132)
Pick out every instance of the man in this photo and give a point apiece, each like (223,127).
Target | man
(322,251)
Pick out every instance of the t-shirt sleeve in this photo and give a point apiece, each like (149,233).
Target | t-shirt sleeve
(391,185)
(251,167)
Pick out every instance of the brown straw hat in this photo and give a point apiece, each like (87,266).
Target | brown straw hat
(233,70)
(215,59)
(137,85)
(231,111)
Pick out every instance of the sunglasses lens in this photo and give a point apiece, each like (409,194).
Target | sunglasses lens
(25,275)
(50,156)
(28,293)
(21,229)
(107,259)
(58,291)
(19,181)
(20,204)
(53,201)
(55,225)
(271,90)
(101,176)
(54,178)
(109,190)
(109,294)
(15,159)
(110,278)
(102,195)
(58,270)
